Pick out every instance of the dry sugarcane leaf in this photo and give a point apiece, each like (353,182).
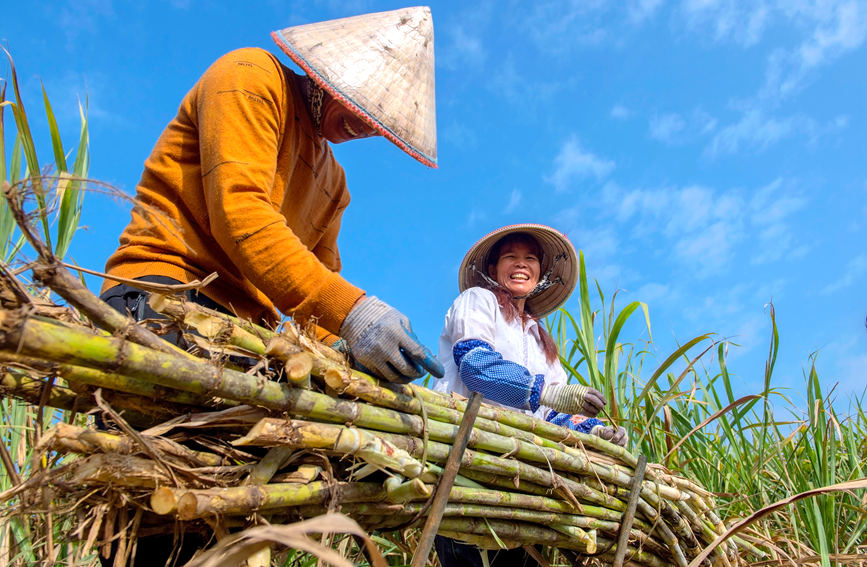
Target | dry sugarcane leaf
(238,547)
(238,416)
(839,487)
(118,470)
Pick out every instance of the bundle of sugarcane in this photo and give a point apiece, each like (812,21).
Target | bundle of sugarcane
(253,423)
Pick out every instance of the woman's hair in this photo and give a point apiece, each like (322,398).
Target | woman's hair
(507,302)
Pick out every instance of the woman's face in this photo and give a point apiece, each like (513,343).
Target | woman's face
(517,269)
(339,124)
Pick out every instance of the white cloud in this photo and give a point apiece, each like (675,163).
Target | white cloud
(843,30)
(704,228)
(508,81)
(514,201)
(769,210)
(666,127)
(557,25)
(709,250)
(728,20)
(855,270)
(620,112)
(655,292)
(835,28)
(601,244)
(752,332)
(675,128)
(460,44)
(574,164)
(83,18)
(462,49)
(755,131)
(640,10)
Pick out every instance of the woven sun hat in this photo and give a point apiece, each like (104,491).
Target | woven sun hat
(380,66)
(558,255)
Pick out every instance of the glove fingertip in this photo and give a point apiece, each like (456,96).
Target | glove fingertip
(434,366)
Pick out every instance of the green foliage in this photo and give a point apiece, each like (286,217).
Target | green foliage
(686,416)
(37,538)
(58,188)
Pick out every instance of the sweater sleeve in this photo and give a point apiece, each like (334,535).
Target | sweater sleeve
(241,124)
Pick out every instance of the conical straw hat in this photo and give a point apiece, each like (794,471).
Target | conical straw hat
(380,66)
(558,255)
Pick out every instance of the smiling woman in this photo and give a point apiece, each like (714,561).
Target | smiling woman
(492,343)
(517,267)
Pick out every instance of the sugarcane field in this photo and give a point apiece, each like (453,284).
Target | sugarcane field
(191,374)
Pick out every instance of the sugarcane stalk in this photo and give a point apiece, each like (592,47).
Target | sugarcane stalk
(298,368)
(76,293)
(176,372)
(455,508)
(263,471)
(83,441)
(524,428)
(75,374)
(409,398)
(289,341)
(190,504)
(137,410)
(42,339)
(519,532)
(271,432)
(209,324)
(297,434)
(399,491)
(30,390)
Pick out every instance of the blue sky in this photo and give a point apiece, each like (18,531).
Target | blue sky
(708,157)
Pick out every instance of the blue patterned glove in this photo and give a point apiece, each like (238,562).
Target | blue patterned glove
(381,342)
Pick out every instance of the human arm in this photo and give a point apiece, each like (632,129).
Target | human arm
(478,334)
(589,425)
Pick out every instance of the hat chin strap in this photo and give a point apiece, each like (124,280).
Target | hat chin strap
(544,283)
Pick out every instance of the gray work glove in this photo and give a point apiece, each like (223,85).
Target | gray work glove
(612,433)
(381,342)
(572,398)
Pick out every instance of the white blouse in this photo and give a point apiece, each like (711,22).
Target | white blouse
(475,314)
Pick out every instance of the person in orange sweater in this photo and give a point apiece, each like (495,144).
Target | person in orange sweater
(243,182)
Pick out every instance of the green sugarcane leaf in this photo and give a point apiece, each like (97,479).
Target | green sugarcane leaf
(56,142)
(29,150)
(71,203)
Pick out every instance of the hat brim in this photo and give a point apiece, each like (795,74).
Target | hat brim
(380,66)
(553,244)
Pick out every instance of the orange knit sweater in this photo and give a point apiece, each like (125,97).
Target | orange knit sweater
(240,184)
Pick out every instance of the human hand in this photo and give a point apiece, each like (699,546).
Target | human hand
(612,433)
(573,398)
(381,342)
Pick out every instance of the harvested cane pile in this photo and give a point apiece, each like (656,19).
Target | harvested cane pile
(252,424)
